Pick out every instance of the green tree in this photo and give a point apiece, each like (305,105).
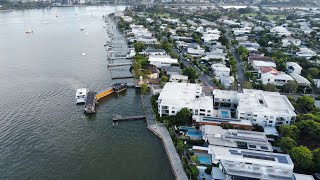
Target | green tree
(144,88)
(247,85)
(314,72)
(305,102)
(164,78)
(138,47)
(302,157)
(309,128)
(316,156)
(291,131)
(184,116)
(223,39)
(191,73)
(290,86)
(286,143)
(194,171)
(270,87)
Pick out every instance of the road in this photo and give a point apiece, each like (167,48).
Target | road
(240,69)
(206,80)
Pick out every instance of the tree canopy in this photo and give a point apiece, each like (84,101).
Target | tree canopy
(247,85)
(291,131)
(290,86)
(270,87)
(138,47)
(191,73)
(305,102)
(286,144)
(302,157)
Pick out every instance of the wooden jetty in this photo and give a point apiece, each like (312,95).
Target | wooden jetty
(117,118)
(122,77)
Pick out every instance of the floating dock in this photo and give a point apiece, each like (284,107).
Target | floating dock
(93,97)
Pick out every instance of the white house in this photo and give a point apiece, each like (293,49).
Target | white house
(306,52)
(153,52)
(241,31)
(302,81)
(162,60)
(220,71)
(175,96)
(293,67)
(227,81)
(260,64)
(280,31)
(270,75)
(196,51)
(289,40)
(264,108)
(178,78)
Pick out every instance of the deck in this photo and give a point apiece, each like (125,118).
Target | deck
(118,117)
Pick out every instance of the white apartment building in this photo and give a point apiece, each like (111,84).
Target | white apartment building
(237,163)
(306,52)
(175,96)
(267,109)
(161,60)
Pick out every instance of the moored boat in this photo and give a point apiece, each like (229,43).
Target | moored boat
(81,95)
(118,87)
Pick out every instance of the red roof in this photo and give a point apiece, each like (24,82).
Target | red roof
(269,70)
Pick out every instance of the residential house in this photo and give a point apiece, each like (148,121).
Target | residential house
(260,64)
(290,41)
(162,60)
(293,67)
(178,78)
(220,70)
(270,75)
(302,81)
(306,52)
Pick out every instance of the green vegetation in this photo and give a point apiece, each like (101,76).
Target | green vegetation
(191,73)
(139,62)
(144,88)
(270,87)
(247,85)
(138,47)
(290,86)
(302,157)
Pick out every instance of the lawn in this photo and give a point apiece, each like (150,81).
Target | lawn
(270,17)
(249,14)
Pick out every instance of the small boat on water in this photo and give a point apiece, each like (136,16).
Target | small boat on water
(82,28)
(91,100)
(118,87)
(81,95)
(28,30)
(83,54)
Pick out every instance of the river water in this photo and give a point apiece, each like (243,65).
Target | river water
(43,134)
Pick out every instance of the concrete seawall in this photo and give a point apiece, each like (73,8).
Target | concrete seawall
(162,132)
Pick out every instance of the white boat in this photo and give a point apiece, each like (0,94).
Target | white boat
(83,54)
(81,95)
(29,30)
(82,28)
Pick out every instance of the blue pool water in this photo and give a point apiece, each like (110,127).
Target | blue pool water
(224,114)
(206,160)
(194,134)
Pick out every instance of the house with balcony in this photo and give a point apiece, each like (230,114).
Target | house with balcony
(267,109)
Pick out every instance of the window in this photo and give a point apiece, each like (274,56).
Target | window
(255,115)
(270,121)
(271,117)
(254,120)
(173,107)
(241,117)
(209,111)
(202,110)
(248,114)
(172,112)
(202,114)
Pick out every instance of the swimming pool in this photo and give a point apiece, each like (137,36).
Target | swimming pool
(195,134)
(203,159)
(224,114)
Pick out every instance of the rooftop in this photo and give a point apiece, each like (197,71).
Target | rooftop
(248,163)
(230,138)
